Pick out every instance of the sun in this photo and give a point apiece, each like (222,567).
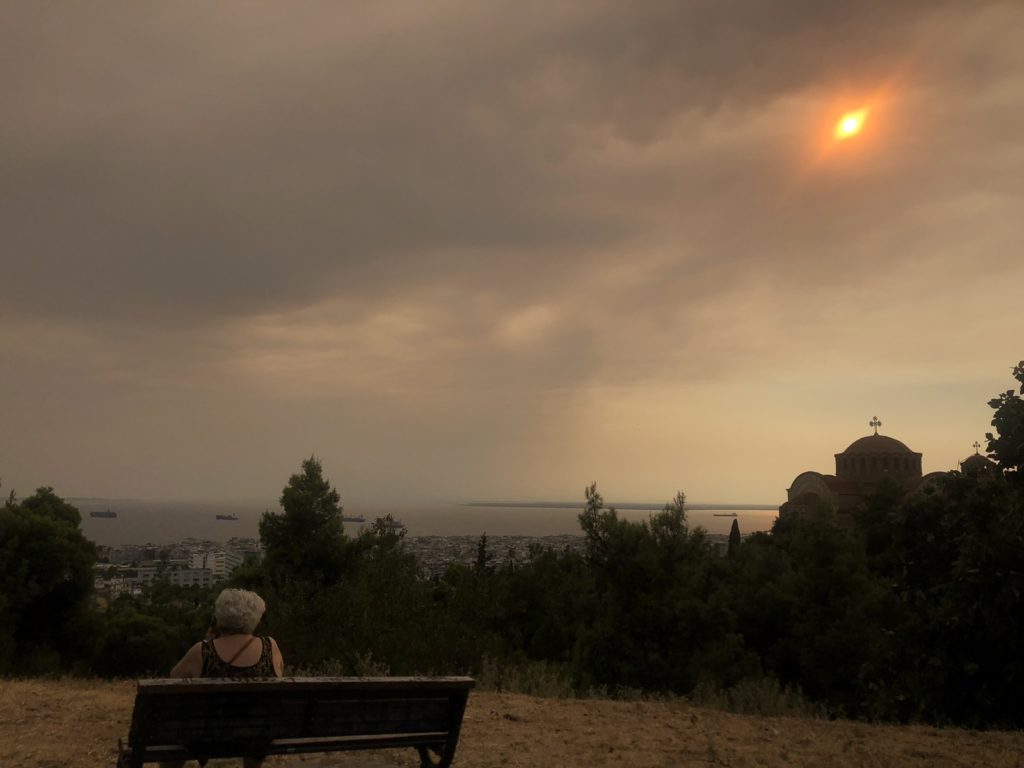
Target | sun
(850,124)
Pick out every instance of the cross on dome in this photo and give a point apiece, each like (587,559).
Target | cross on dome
(875,423)
(977,446)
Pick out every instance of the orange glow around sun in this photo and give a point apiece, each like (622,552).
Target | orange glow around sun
(850,124)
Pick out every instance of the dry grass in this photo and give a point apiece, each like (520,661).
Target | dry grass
(76,723)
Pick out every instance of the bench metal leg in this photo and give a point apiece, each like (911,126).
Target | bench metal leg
(444,759)
(124,756)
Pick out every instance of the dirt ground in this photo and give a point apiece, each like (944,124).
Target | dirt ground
(76,723)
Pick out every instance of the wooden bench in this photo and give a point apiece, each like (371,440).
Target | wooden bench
(218,717)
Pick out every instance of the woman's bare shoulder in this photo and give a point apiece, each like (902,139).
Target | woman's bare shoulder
(276,656)
(195,652)
(191,663)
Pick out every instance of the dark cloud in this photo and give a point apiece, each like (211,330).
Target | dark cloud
(209,161)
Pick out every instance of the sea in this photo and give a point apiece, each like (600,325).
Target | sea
(167,522)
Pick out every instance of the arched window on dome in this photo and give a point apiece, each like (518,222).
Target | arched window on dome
(885,463)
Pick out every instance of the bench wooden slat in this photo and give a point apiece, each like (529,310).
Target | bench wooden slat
(156,753)
(312,715)
(157,686)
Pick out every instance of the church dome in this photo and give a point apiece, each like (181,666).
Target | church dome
(976,463)
(877,444)
(873,457)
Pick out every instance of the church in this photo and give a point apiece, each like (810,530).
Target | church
(859,470)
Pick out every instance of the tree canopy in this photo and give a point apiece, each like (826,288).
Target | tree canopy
(305,542)
(1007,443)
(46,581)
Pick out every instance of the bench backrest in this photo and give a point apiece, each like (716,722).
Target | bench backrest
(224,717)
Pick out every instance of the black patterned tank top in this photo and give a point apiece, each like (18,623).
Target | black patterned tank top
(215,666)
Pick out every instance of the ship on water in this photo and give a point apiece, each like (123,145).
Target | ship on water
(724,514)
(353,519)
(108,513)
(227,517)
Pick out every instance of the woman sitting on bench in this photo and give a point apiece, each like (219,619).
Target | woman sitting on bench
(231,649)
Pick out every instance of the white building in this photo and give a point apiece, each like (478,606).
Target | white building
(220,563)
(179,577)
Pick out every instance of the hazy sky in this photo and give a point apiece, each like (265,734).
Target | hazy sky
(499,250)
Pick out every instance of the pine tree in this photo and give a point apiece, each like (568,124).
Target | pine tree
(734,537)
(305,541)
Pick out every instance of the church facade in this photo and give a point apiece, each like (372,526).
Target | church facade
(859,469)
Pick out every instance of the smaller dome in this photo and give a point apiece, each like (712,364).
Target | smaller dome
(976,463)
(932,479)
(877,444)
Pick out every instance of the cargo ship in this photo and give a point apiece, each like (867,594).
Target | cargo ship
(108,513)
(227,517)
(353,519)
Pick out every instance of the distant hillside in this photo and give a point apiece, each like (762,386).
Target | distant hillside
(76,723)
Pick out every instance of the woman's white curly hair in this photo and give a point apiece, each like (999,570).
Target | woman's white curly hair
(238,611)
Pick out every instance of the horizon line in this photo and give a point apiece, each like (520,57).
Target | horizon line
(696,507)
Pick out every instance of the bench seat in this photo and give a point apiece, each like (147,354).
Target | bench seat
(217,717)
